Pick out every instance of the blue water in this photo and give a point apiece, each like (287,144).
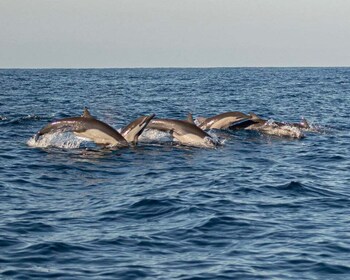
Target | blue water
(257,207)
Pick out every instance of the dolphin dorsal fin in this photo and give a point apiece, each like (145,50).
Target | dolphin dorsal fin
(86,114)
(190,118)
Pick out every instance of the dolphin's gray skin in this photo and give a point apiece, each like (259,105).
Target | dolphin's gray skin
(184,131)
(132,131)
(97,131)
(222,121)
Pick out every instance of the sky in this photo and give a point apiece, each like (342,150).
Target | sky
(174,33)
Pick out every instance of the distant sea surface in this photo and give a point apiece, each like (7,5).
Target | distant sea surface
(257,207)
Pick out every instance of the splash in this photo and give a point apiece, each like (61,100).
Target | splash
(216,139)
(285,130)
(313,126)
(150,135)
(66,140)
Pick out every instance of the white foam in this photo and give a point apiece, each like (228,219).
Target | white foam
(150,135)
(66,140)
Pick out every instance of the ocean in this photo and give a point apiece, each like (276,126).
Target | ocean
(255,207)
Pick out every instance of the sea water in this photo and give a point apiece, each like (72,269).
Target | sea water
(256,207)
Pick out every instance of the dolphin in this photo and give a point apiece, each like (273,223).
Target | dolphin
(272,128)
(303,124)
(99,132)
(222,121)
(184,131)
(133,130)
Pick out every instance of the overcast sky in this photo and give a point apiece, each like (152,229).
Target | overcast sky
(174,33)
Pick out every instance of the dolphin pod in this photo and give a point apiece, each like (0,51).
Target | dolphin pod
(188,132)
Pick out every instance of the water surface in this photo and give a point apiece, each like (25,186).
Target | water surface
(257,207)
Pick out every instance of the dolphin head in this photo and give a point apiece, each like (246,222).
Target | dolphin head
(133,130)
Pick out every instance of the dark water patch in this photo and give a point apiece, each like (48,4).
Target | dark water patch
(6,241)
(152,208)
(52,248)
(329,268)
(23,227)
(221,222)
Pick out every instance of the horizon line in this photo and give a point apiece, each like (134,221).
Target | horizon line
(162,67)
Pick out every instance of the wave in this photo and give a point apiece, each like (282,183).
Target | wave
(297,189)
(150,208)
(20,120)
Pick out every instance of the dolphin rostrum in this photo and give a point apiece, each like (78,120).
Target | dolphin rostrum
(97,131)
(184,131)
(222,121)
